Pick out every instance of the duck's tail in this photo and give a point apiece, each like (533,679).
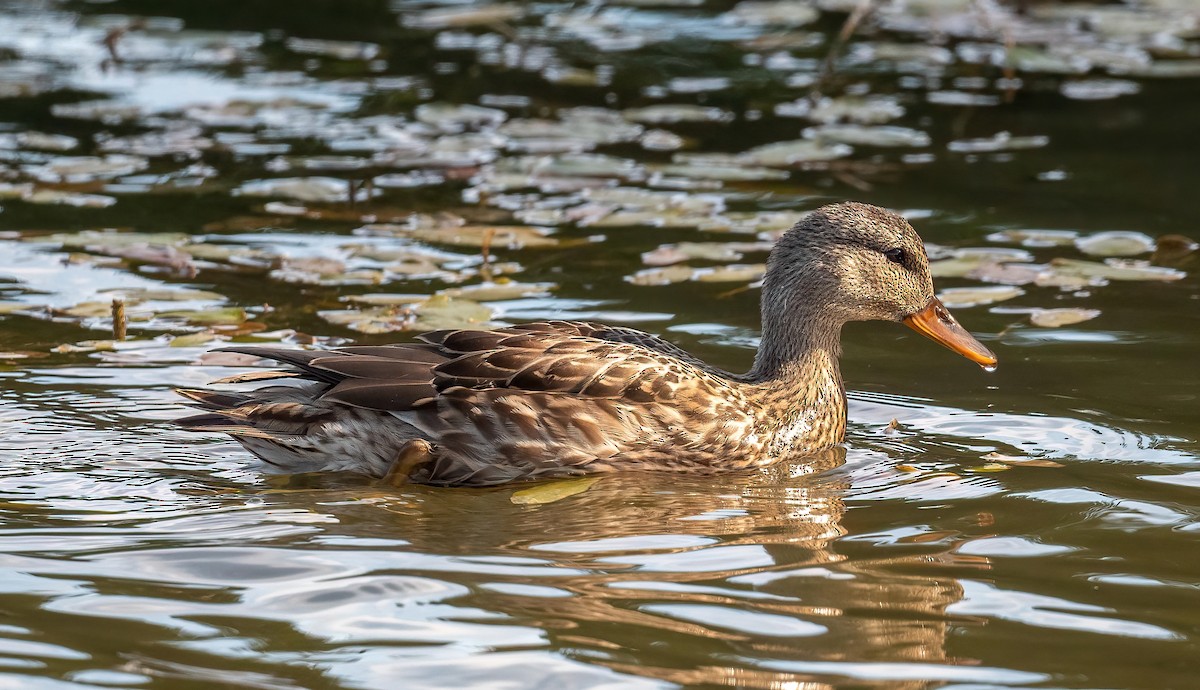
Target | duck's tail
(291,432)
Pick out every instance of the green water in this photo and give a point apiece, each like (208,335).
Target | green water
(133,554)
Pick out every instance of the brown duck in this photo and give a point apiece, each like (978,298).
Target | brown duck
(480,407)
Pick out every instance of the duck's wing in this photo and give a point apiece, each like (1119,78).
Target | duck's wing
(524,401)
(567,397)
(619,334)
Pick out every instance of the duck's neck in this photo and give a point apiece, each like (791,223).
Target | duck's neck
(798,382)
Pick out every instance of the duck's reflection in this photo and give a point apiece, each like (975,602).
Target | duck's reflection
(696,580)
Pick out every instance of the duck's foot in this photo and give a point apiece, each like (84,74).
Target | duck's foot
(411,455)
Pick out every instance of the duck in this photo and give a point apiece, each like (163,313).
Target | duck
(553,399)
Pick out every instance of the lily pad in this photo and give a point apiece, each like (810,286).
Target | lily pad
(320,189)
(662,276)
(464,16)
(207,317)
(1007,273)
(14,307)
(1036,238)
(733,273)
(450,117)
(1021,461)
(1002,141)
(552,491)
(165,294)
(674,113)
(723,173)
(1053,318)
(58,197)
(976,296)
(865,135)
(772,13)
(502,289)
(1115,270)
(1099,89)
(1115,243)
(785,154)
(498,236)
(866,110)
(427,314)
(342,50)
(194,339)
(77,169)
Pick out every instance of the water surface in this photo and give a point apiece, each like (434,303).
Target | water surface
(931,554)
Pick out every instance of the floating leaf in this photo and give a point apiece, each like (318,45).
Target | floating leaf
(772,13)
(1028,59)
(452,117)
(342,50)
(57,197)
(970,262)
(42,141)
(900,52)
(675,253)
(428,314)
(662,276)
(207,317)
(1053,318)
(989,467)
(194,339)
(1115,243)
(976,296)
(1020,461)
(1164,69)
(1002,141)
(733,273)
(1007,273)
(87,168)
(13,307)
(1036,238)
(458,17)
(788,153)
(661,140)
(160,255)
(1115,270)
(864,135)
(552,491)
(867,110)
(1099,89)
(497,236)
(724,173)
(110,238)
(321,189)
(499,290)
(675,113)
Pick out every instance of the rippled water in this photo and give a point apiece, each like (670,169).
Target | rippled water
(926,553)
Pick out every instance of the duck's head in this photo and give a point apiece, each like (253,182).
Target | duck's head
(855,262)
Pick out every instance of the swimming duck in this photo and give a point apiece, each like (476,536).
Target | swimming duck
(559,398)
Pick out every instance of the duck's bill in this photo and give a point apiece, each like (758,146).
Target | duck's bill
(938,324)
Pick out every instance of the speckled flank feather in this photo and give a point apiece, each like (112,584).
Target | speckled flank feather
(563,398)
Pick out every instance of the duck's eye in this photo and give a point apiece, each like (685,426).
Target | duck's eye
(895,255)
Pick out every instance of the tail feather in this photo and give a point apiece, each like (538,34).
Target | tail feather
(252,376)
(221,424)
(213,400)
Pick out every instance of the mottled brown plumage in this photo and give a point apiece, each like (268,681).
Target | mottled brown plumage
(480,407)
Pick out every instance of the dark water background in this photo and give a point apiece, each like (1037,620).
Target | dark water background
(134,555)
